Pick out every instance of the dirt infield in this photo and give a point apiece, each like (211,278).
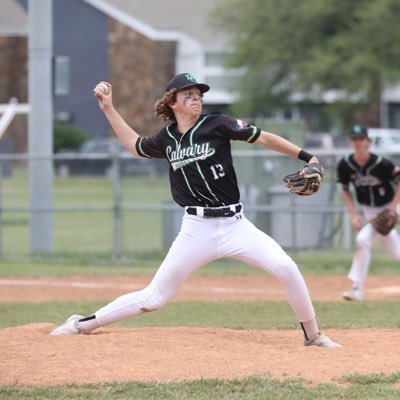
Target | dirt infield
(211,288)
(30,356)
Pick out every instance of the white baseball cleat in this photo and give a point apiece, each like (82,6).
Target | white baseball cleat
(69,328)
(322,341)
(353,295)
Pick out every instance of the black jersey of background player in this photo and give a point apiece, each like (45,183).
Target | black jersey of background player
(201,168)
(373,181)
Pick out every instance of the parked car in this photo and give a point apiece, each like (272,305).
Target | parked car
(95,157)
(385,139)
(318,141)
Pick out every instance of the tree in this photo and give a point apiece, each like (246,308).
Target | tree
(67,137)
(300,50)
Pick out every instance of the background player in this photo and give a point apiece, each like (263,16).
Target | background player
(377,184)
(203,180)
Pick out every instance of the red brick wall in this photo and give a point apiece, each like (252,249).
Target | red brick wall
(140,69)
(13,69)
(14,83)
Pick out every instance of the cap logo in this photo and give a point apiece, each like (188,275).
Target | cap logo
(190,78)
(357,129)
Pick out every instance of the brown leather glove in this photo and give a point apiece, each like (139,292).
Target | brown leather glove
(385,221)
(307,181)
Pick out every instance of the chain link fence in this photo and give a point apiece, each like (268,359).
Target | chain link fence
(118,207)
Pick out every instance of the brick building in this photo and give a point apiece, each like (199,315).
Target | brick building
(131,44)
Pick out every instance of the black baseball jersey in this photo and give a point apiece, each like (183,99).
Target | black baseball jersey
(201,169)
(374,181)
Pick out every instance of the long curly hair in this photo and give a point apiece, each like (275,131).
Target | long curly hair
(162,106)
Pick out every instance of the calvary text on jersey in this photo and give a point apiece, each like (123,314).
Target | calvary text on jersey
(185,155)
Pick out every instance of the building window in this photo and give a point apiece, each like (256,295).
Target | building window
(223,82)
(61,75)
(215,59)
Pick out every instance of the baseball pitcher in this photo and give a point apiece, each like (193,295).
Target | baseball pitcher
(203,181)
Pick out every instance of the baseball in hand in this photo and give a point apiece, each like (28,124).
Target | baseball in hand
(102,88)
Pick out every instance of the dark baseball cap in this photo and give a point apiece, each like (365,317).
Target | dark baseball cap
(358,131)
(182,81)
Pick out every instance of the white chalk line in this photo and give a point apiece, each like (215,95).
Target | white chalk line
(89,285)
(85,285)
(395,290)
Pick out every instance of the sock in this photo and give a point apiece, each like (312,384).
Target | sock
(310,329)
(88,324)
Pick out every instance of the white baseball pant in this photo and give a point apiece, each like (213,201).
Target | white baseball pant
(362,255)
(200,241)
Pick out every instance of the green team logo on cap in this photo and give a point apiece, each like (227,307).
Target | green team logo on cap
(357,129)
(190,78)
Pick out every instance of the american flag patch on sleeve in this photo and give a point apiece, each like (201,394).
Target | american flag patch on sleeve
(241,124)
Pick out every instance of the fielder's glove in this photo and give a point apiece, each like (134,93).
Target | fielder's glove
(385,221)
(307,181)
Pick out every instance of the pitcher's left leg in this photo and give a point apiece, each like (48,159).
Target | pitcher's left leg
(254,247)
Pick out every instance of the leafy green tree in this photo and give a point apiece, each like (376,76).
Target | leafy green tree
(299,50)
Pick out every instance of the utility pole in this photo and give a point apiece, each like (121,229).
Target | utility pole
(40,132)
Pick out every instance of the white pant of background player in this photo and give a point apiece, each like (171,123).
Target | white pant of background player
(362,256)
(200,241)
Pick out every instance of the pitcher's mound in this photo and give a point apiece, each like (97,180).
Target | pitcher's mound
(31,357)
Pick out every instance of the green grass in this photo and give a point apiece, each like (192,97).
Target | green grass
(252,388)
(44,267)
(326,262)
(331,262)
(227,314)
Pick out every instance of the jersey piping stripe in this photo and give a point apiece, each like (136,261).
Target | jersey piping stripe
(183,172)
(140,148)
(206,183)
(197,164)
(207,198)
(378,160)
(371,192)
(171,135)
(349,163)
(251,137)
